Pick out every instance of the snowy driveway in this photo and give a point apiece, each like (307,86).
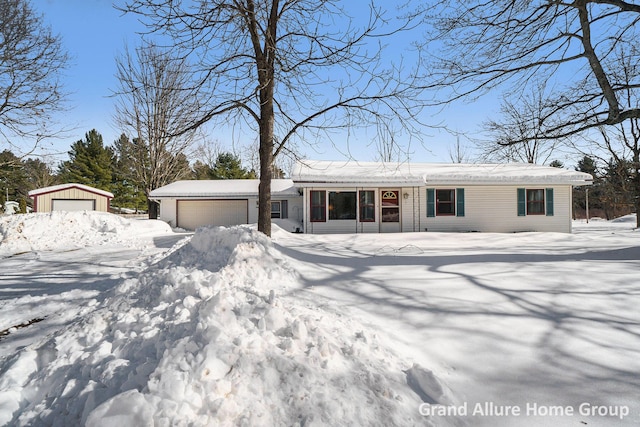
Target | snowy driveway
(544,323)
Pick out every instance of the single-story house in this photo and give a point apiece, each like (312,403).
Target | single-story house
(372,197)
(196,203)
(70,197)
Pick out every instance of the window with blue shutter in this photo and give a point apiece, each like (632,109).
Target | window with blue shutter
(522,202)
(431,202)
(549,192)
(459,201)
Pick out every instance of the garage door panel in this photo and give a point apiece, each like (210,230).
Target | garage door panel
(198,213)
(73,205)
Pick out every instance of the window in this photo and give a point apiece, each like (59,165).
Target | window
(367,206)
(318,206)
(535,202)
(275,210)
(445,202)
(342,205)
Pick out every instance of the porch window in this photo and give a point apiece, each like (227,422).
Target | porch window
(367,206)
(342,205)
(318,206)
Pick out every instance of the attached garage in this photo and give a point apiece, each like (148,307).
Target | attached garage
(227,202)
(198,213)
(70,197)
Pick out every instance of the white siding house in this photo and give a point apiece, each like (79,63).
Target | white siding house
(197,203)
(367,197)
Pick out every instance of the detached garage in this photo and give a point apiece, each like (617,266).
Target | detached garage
(70,197)
(193,204)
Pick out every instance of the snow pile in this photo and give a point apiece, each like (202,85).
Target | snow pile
(30,232)
(631,218)
(210,336)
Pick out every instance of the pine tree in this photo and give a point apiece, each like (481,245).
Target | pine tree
(596,207)
(12,177)
(128,186)
(229,166)
(90,163)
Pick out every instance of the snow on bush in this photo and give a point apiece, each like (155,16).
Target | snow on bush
(71,230)
(212,335)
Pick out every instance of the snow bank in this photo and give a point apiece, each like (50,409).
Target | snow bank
(210,336)
(32,232)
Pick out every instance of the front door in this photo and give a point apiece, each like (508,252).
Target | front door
(389,211)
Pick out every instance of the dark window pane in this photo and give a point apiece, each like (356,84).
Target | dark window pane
(342,205)
(318,206)
(445,202)
(275,209)
(367,206)
(535,202)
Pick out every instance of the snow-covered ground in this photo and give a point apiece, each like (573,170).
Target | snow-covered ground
(106,321)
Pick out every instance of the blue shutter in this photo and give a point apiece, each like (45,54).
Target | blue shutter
(522,202)
(459,201)
(284,209)
(549,201)
(431,202)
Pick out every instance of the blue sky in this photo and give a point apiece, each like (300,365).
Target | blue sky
(93,33)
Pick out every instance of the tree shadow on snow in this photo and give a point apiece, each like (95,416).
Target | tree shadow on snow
(585,336)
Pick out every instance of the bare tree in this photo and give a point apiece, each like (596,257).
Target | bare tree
(290,69)
(518,134)
(478,45)
(620,144)
(31,63)
(459,153)
(155,104)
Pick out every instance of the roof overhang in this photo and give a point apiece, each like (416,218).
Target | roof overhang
(62,187)
(376,174)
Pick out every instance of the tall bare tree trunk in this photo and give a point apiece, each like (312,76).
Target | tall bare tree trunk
(266,160)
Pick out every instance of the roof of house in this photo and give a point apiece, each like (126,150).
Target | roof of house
(223,188)
(312,172)
(67,186)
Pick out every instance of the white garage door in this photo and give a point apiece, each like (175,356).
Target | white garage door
(73,205)
(197,213)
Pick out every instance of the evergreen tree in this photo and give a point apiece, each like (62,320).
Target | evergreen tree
(556,164)
(617,188)
(127,187)
(12,177)
(229,166)
(90,163)
(202,170)
(596,207)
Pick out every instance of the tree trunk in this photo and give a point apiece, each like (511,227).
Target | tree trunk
(266,162)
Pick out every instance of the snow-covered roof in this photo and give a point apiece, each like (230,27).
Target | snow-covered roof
(223,188)
(61,187)
(312,172)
